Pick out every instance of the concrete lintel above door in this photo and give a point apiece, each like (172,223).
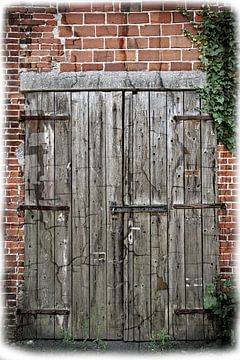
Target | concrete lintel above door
(106,81)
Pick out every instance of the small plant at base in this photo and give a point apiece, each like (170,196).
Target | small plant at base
(220,298)
(101,344)
(68,340)
(160,341)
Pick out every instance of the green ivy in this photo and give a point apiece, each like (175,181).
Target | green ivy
(215,38)
(221,299)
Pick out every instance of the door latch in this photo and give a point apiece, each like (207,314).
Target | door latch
(130,231)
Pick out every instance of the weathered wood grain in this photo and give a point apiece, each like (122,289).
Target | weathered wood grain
(46,231)
(98,214)
(175,180)
(114,194)
(141,193)
(62,195)
(120,273)
(128,222)
(158,195)
(80,215)
(193,238)
(31,218)
(209,216)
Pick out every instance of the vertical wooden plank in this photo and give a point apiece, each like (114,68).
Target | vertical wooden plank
(46,231)
(141,233)
(62,218)
(158,168)
(97,164)
(209,216)
(127,198)
(177,324)
(114,167)
(31,217)
(158,143)
(193,238)
(80,215)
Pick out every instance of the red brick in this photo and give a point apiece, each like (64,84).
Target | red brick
(103,56)
(138,18)
(179,18)
(137,43)
(174,5)
(178,66)
(125,55)
(159,66)
(43,16)
(92,67)
(136,66)
(115,67)
(190,54)
(152,6)
(72,18)
(73,44)
(94,43)
(130,6)
(116,18)
(171,30)
(105,7)
(84,31)
(94,18)
(180,42)
(64,67)
(65,31)
(160,17)
(149,55)
(115,43)
(106,30)
(80,7)
(190,28)
(159,42)
(128,30)
(150,30)
(81,56)
(171,55)
(198,17)
(194,5)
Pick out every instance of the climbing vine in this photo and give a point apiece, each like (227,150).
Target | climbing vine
(215,37)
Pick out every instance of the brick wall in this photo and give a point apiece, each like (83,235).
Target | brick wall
(108,36)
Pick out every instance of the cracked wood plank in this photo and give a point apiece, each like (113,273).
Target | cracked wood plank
(114,193)
(158,169)
(80,215)
(127,198)
(176,276)
(46,232)
(31,218)
(62,195)
(192,226)
(141,196)
(209,216)
(98,219)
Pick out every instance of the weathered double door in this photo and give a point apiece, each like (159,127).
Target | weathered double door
(120,209)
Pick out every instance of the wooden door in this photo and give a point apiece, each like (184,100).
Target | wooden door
(120,208)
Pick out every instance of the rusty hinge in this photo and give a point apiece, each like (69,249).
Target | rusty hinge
(43,117)
(192,117)
(138,208)
(42,311)
(200,206)
(43,207)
